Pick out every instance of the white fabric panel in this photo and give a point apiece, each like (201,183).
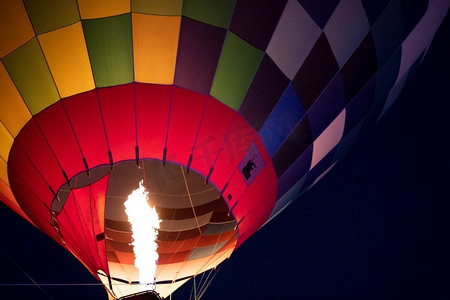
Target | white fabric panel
(328,139)
(293,39)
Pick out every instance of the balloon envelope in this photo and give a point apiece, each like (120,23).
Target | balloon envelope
(227,110)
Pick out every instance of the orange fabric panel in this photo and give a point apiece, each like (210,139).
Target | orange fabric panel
(15,26)
(125,257)
(92,9)
(14,114)
(119,236)
(7,197)
(177,246)
(208,240)
(66,54)
(167,258)
(6,141)
(155,44)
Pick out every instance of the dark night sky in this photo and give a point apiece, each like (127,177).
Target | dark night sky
(376,227)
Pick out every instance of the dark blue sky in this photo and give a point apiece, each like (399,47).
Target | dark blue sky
(376,227)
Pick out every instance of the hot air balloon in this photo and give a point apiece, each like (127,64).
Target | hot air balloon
(227,111)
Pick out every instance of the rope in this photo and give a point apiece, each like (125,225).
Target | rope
(29,277)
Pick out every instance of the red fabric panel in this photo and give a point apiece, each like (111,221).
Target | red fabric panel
(97,205)
(74,234)
(187,110)
(236,187)
(33,203)
(21,171)
(81,220)
(214,127)
(58,133)
(36,148)
(256,203)
(239,139)
(84,114)
(152,112)
(118,111)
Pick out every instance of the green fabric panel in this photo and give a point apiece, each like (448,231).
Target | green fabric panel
(31,75)
(48,15)
(213,12)
(157,7)
(237,66)
(110,49)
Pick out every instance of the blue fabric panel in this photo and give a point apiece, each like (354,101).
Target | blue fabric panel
(386,76)
(296,171)
(348,141)
(387,31)
(296,143)
(282,120)
(373,9)
(360,106)
(327,107)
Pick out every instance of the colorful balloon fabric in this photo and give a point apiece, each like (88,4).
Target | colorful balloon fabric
(228,110)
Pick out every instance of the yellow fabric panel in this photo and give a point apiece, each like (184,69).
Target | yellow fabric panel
(15,26)
(93,9)
(4,171)
(155,43)
(66,54)
(6,141)
(14,114)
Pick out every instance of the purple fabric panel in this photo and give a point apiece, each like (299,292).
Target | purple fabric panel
(327,107)
(316,72)
(320,11)
(198,54)
(296,171)
(265,90)
(296,143)
(360,67)
(373,9)
(255,20)
(360,106)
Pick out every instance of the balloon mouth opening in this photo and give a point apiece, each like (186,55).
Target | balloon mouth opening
(196,222)
(147,295)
